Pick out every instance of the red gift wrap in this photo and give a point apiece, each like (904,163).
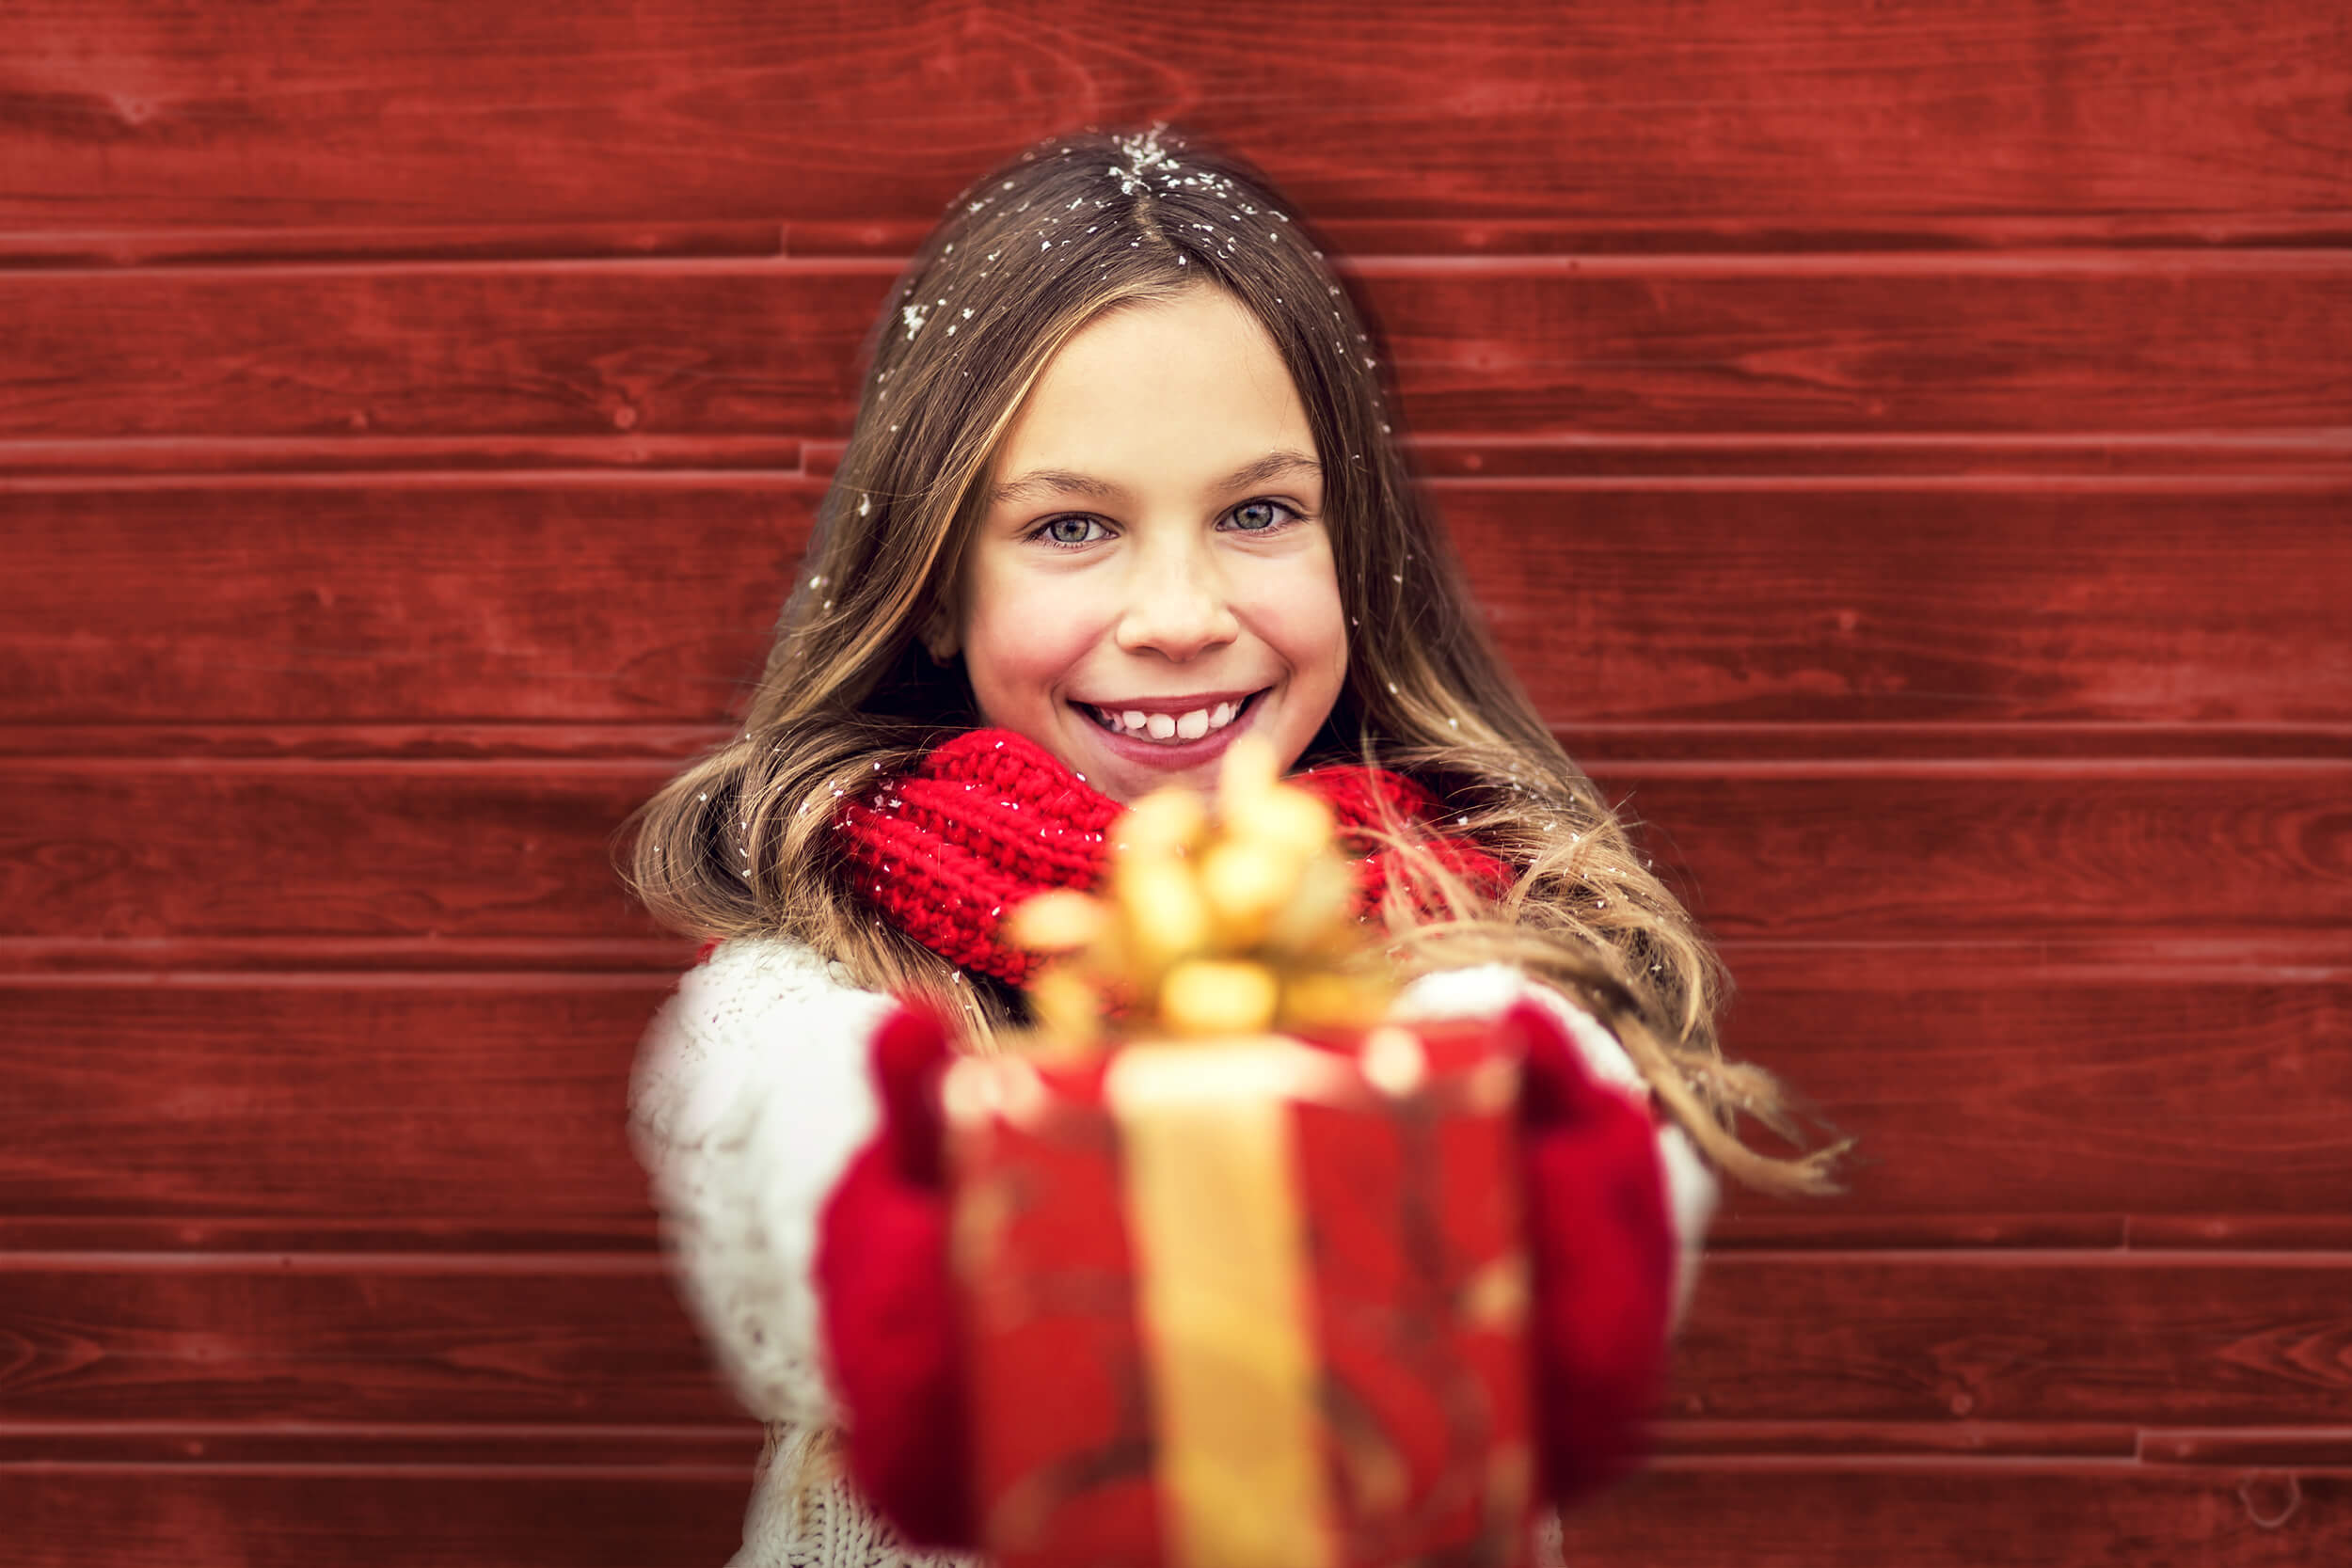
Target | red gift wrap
(1251,1303)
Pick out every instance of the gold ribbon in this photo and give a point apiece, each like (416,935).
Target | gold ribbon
(1223,1297)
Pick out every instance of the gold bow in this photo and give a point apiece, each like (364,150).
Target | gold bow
(1228,924)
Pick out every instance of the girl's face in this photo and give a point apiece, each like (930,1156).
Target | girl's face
(1151,577)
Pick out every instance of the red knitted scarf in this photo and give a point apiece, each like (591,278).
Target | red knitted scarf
(990,817)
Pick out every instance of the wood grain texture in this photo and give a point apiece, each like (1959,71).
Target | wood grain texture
(2072,1338)
(351,1111)
(487,1108)
(2022,1092)
(1850,344)
(372,601)
(2019,1335)
(1792,852)
(1700,1513)
(400,1517)
(1630,601)
(1693,1513)
(1789,116)
(2016,1338)
(328,1336)
(466,1446)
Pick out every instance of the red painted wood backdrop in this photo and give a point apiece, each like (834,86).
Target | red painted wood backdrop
(1909,452)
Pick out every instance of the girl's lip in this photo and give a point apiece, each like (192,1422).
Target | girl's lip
(1175,755)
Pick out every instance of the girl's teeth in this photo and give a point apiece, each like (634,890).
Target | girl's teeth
(1166,726)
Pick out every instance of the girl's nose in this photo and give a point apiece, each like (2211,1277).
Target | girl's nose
(1178,609)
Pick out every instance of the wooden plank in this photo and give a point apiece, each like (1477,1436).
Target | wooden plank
(1791,114)
(1690,1515)
(72,1444)
(352,1111)
(647,350)
(543,357)
(1946,1439)
(2073,1339)
(374,849)
(1629,603)
(481,1108)
(341,1336)
(1641,602)
(388,1518)
(581,600)
(1865,853)
(2021,1092)
(2331,1447)
(2151,1338)
(213,1445)
(1873,851)
(1700,1513)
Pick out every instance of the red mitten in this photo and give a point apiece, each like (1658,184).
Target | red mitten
(1600,1239)
(882,1275)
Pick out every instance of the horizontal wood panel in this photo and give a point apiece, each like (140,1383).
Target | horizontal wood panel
(1699,1513)
(478,1108)
(381,850)
(370,602)
(2123,1094)
(1633,603)
(1797,113)
(2069,1337)
(537,1445)
(1789,853)
(1862,851)
(658,351)
(390,1518)
(2022,1336)
(1624,603)
(420,352)
(505,1446)
(1692,1513)
(340,1111)
(350,1338)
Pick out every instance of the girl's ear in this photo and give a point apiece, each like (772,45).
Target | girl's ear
(938,634)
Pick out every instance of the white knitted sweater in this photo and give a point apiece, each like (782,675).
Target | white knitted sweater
(751,1095)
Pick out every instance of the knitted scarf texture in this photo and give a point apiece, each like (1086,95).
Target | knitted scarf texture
(988,818)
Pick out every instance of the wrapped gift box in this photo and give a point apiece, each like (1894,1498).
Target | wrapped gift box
(1247,1303)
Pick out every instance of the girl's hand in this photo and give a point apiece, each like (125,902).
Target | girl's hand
(1601,1243)
(885,1292)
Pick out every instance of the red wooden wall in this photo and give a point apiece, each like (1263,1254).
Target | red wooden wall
(1907,450)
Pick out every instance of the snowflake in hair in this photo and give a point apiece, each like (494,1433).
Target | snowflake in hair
(1144,153)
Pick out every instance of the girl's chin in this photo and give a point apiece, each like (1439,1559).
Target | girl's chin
(1136,767)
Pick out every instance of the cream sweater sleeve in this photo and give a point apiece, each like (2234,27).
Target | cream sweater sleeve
(750,1096)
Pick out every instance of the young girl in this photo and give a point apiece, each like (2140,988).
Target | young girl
(1123,485)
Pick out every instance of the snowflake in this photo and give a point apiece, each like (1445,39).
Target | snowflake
(1144,153)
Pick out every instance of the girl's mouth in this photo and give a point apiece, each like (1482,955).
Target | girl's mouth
(1172,740)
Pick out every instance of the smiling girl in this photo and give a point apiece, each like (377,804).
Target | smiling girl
(1124,487)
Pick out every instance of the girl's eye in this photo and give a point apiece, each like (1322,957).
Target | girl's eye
(1256,517)
(1067,532)
(1261,516)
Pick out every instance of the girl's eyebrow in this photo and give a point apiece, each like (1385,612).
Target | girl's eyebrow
(1040,482)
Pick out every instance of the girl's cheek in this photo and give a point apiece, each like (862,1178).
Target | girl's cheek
(1037,628)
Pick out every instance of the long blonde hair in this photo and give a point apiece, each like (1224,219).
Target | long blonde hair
(739,843)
